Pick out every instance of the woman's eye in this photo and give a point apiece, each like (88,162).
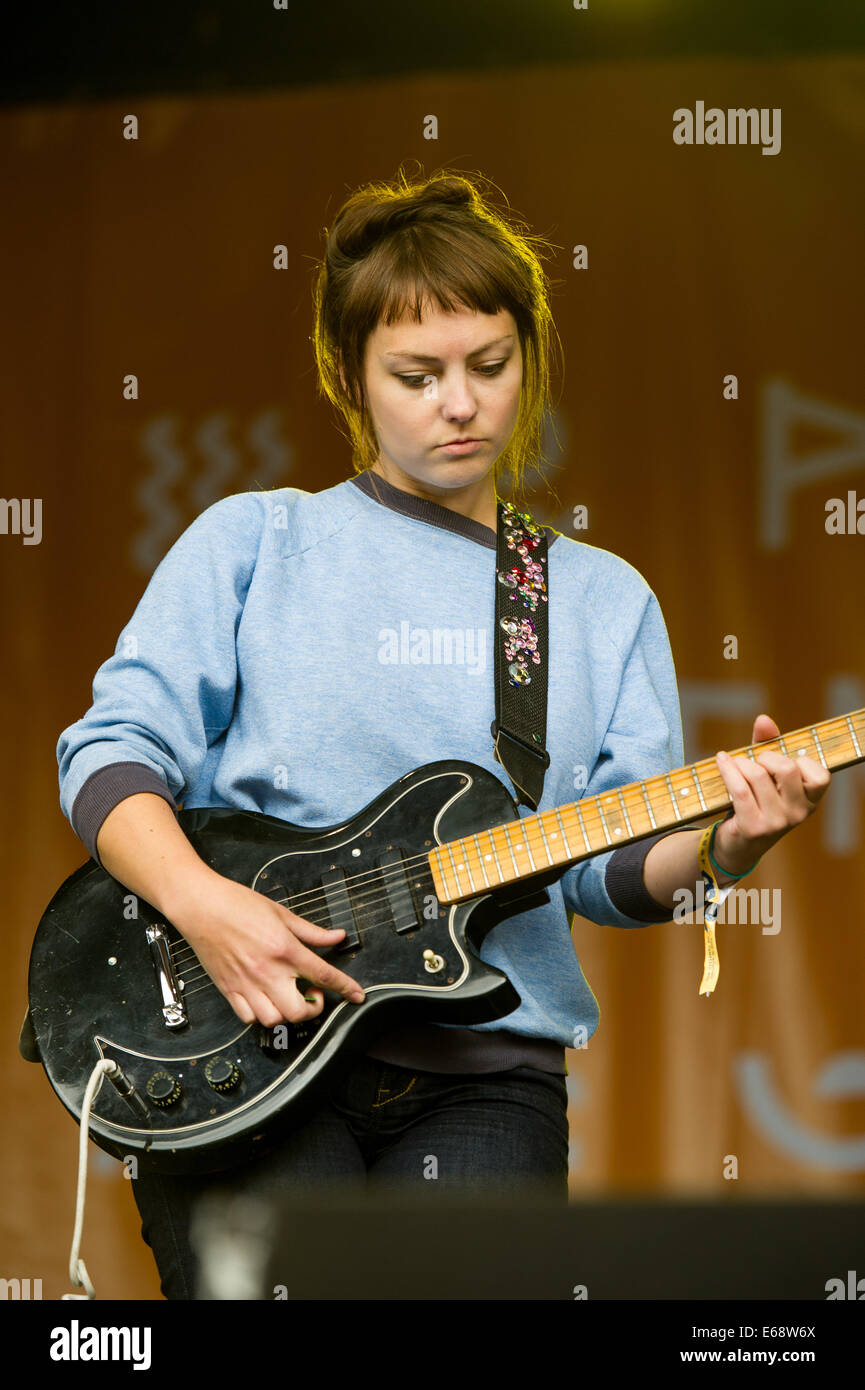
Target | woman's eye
(488,369)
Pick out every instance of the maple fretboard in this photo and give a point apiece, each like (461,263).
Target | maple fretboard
(472,865)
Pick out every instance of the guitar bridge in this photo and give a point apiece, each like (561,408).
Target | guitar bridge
(173,1007)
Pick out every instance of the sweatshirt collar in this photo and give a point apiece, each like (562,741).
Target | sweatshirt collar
(422,509)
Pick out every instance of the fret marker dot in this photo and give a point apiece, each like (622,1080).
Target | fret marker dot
(618,830)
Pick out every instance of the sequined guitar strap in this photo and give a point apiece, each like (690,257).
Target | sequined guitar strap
(519,729)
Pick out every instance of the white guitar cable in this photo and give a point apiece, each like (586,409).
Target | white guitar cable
(77,1268)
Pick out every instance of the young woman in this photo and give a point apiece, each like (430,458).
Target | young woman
(278,662)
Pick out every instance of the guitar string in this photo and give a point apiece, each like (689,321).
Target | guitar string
(397,871)
(376,875)
(360,903)
(591,819)
(373,879)
(209,983)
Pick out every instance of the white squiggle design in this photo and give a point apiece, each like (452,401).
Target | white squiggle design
(163,518)
(842,1076)
(220,456)
(276,457)
(159,446)
(770,1117)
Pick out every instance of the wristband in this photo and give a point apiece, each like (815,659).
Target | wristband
(717,867)
(714,896)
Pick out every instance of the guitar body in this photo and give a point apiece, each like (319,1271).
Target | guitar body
(208,1089)
(198,1088)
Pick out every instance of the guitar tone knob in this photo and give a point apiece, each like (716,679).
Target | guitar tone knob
(163,1089)
(222,1074)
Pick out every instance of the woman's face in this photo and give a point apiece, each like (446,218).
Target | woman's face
(453,376)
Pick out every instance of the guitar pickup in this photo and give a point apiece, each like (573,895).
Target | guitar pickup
(339,907)
(398,889)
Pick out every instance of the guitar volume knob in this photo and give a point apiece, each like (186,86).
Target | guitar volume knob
(222,1074)
(163,1089)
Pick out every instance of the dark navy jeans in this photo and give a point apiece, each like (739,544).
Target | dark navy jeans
(383,1126)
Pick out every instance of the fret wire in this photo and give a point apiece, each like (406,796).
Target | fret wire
(481,861)
(564,834)
(853,736)
(604,822)
(583,826)
(652,820)
(625,813)
(817,744)
(699,786)
(468,867)
(540,820)
(454,867)
(673,796)
(499,870)
(511,852)
(528,846)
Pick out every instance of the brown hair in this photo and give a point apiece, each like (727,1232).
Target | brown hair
(395,246)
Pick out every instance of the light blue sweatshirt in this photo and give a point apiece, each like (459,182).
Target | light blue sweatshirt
(295,653)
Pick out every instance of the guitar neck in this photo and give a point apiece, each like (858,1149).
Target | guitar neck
(534,844)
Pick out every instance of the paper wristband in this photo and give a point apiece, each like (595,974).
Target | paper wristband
(714,896)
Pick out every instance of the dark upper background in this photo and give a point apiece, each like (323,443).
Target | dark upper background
(59,52)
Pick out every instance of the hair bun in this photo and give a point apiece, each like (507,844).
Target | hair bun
(449,188)
(375,211)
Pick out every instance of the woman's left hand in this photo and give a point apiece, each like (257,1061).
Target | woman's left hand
(770,794)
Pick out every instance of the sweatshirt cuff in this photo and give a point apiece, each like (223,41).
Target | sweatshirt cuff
(623,880)
(103,790)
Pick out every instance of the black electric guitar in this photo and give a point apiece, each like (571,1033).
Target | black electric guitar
(417,879)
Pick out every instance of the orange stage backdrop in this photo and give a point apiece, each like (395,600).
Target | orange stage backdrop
(155,257)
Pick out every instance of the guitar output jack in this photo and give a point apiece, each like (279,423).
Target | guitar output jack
(432,962)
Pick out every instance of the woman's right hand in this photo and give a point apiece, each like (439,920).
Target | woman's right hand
(255,951)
